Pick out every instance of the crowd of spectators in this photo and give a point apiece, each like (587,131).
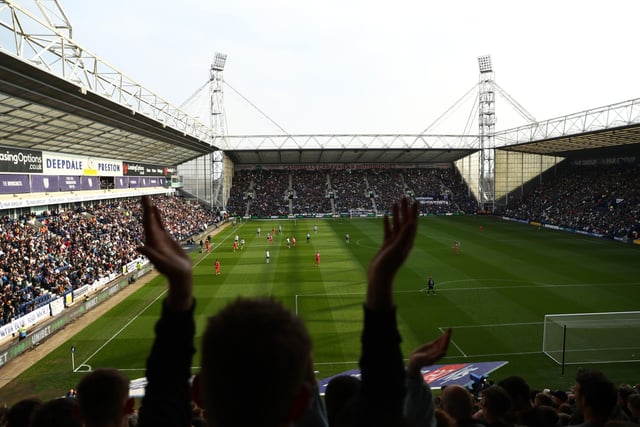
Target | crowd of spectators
(595,199)
(349,187)
(42,256)
(310,192)
(270,193)
(458,191)
(242,186)
(593,400)
(265,192)
(387,185)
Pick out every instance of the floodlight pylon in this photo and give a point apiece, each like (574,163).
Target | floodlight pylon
(219,60)
(218,124)
(487,130)
(484,62)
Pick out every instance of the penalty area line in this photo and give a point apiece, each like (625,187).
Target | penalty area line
(126,325)
(451,341)
(120,330)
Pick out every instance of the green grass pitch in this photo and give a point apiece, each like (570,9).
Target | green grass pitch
(494,293)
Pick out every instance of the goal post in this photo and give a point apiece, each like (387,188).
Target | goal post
(582,338)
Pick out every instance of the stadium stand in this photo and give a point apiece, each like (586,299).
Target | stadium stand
(349,186)
(311,191)
(270,190)
(274,192)
(50,255)
(599,199)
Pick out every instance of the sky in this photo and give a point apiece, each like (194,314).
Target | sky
(369,66)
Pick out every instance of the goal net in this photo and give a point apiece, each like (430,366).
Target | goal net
(592,337)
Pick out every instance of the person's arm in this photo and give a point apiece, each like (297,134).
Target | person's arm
(418,405)
(168,394)
(381,365)
(316,413)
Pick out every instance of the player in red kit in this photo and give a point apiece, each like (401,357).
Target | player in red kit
(456,247)
(317,259)
(217,265)
(207,245)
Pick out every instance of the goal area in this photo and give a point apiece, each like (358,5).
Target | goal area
(582,338)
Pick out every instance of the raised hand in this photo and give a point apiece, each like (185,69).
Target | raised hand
(429,353)
(399,235)
(168,257)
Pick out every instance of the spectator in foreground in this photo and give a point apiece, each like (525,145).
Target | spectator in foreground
(458,403)
(229,345)
(596,397)
(633,405)
(624,391)
(166,401)
(381,365)
(419,407)
(103,397)
(341,392)
(61,412)
(237,333)
(20,413)
(521,410)
(495,407)
(442,419)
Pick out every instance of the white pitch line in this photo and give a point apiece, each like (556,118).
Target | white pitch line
(358,243)
(492,324)
(446,357)
(454,344)
(337,363)
(122,329)
(522,353)
(458,347)
(533,284)
(130,321)
(482,288)
(578,350)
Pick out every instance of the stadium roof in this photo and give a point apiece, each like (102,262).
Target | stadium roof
(317,156)
(41,111)
(619,142)
(323,149)
(609,130)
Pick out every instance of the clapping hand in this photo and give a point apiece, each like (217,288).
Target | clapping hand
(429,353)
(399,235)
(168,257)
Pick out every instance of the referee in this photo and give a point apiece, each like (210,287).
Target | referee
(431,286)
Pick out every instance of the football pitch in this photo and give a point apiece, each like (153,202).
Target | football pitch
(494,294)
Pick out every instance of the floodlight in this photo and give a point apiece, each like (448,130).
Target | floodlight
(219,61)
(485,63)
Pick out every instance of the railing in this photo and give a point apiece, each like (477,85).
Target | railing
(38,43)
(612,116)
